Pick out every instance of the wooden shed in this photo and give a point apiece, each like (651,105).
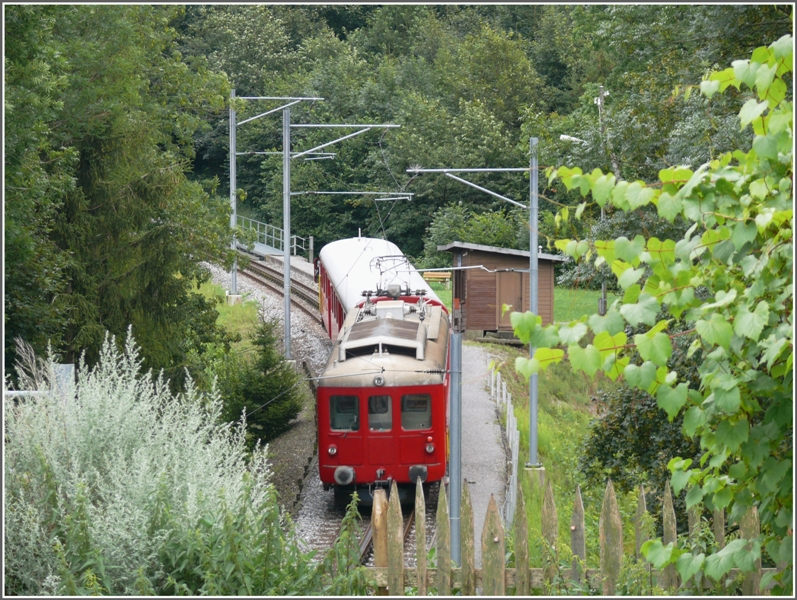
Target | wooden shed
(503,280)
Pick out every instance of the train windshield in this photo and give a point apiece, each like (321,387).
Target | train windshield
(416,411)
(344,413)
(380,417)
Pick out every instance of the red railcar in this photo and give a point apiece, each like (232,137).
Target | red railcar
(382,400)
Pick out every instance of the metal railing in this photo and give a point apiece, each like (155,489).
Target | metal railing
(499,394)
(266,234)
(273,237)
(63,378)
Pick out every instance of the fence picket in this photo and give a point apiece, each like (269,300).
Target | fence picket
(719,527)
(468,551)
(669,577)
(578,541)
(611,540)
(640,530)
(749,528)
(379,521)
(522,579)
(395,540)
(493,583)
(550,531)
(443,530)
(420,537)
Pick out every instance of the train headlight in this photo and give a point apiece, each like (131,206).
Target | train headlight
(429,448)
(332,450)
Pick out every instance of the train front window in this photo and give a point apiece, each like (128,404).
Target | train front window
(416,411)
(380,417)
(344,413)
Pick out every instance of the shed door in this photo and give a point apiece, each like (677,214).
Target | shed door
(509,291)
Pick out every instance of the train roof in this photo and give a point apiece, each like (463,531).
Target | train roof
(355,265)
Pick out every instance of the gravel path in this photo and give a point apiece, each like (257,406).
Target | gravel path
(483,451)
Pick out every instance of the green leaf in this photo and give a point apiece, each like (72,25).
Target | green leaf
(671,399)
(602,189)
(608,344)
(751,110)
(659,554)
(694,496)
(719,564)
(743,233)
(584,359)
(526,367)
(688,565)
(732,435)
(640,377)
(721,298)
(693,418)
(715,331)
(548,356)
(679,480)
(751,324)
(766,146)
(629,277)
(657,349)
(638,195)
(644,311)
(612,322)
(709,88)
(572,335)
(523,324)
(629,250)
(544,337)
(722,498)
(669,206)
(728,401)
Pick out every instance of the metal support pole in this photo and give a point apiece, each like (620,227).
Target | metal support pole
(455,471)
(602,300)
(286,224)
(311,250)
(233,184)
(533,304)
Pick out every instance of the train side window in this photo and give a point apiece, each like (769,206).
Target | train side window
(380,417)
(344,413)
(416,411)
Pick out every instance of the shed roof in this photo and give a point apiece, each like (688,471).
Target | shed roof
(494,249)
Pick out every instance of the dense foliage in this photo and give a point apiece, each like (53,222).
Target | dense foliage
(731,278)
(117,487)
(104,228)
(631,444)
(262,388)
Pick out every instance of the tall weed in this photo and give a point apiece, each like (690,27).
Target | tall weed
(119,487)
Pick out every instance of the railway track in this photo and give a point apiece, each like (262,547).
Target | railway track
(303,296)
(367,541)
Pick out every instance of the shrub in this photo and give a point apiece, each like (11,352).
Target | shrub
(118,487)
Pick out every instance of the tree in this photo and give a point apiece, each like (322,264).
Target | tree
(110,201)
(264,390)
(38,173)
(739,253)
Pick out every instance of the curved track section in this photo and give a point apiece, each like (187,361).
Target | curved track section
(303,296)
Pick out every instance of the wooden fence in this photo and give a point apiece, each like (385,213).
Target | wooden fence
(494,578)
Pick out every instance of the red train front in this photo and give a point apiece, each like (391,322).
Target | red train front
(382,402)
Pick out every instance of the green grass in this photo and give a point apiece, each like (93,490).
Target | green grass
(241,318)
(442,293)
(572,304)
(565,409)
